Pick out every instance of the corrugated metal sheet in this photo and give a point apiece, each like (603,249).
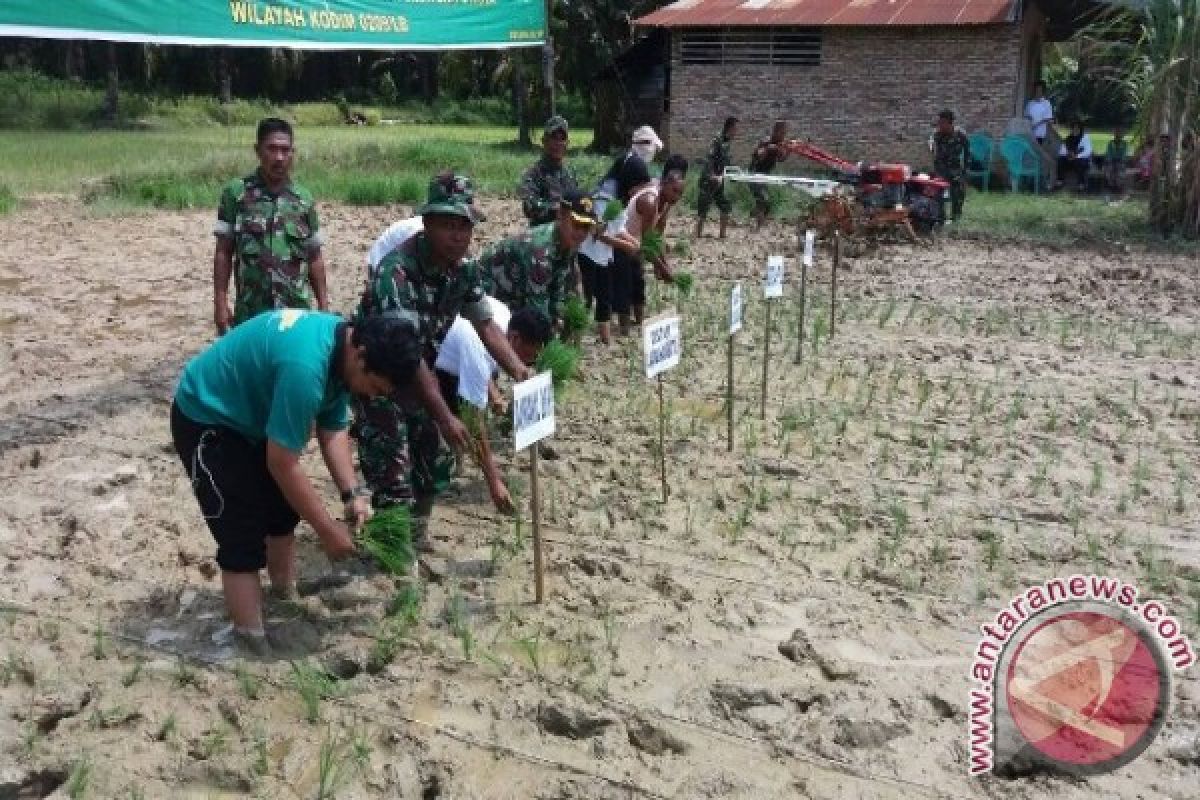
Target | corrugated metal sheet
(699,13)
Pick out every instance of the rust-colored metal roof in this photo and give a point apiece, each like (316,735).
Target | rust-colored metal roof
(704,13)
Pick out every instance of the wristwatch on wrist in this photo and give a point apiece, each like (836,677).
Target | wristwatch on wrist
(353,492)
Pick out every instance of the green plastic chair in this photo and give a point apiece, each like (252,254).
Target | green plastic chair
(1022,162)
(980,147)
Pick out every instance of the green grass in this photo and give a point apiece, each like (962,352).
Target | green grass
(186,169)
(8,200)
(1059,218)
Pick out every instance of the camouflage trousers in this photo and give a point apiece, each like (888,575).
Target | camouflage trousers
(401,454)
(710,193)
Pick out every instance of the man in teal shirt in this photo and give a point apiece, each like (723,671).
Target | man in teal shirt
(244,411)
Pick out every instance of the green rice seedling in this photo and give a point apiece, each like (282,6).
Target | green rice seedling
(924,390)
(313,685)
(1158,573)
(405,605)
(653,245)
(99,642)
(1180,485)
(684,283)
(332,763)
(79,779)
(248,683)
(561,361)
(134,674)
(992,548)
(1094,552)
(184,674)
(938,553)
(819,327)
(1097,481)
(575,318)
(889,309)
(912,311)
(612,633)
(1037,481)
(215,743)
(613,209)
(459,619)
(167,729)
(387,538)
(1123,504)
(261,764)
(1141,473)
(531,648)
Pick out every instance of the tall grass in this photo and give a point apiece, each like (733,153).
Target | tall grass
(8,200)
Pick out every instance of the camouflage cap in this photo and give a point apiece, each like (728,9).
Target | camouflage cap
(451,194)
(556,124)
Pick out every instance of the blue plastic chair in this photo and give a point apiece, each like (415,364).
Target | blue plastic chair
(981,148)
(1022,162)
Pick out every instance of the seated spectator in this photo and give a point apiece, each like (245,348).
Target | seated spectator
(1075,156)
(1116,158)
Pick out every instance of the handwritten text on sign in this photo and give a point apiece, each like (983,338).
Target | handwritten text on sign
(735,309)
(533,410)
(774,284)
(663,344)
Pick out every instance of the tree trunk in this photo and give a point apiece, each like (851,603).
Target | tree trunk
(429,77)
(111,92)
(609,126)
(224,77)
(520,102)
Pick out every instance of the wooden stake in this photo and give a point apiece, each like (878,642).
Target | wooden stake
(535,508)
(800,332)
(729,392)
(766,361)
(837,260)
(662,438)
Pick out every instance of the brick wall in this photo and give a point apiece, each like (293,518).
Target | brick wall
(875,94)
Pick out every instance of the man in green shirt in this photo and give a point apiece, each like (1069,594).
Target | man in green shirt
(268,237)
(533,269)
(429,279)
(544,184)
(243,413)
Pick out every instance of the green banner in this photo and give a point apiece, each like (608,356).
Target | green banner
(301,24)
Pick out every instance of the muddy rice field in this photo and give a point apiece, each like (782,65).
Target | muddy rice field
(797,621)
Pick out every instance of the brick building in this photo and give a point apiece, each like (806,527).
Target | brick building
(863,78)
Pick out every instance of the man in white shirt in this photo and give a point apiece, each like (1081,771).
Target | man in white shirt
(1039,112)
(465,371)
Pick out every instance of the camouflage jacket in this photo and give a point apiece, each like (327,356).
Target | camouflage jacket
(274,236)
(542,187)
(406,280)
(529,269)
(718,157)
(950,152)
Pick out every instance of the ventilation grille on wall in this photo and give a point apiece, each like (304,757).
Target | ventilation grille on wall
(782,46)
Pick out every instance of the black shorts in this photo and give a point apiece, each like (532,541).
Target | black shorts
(598,281)
(238,497)
(628,282)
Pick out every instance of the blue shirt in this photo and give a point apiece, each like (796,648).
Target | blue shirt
(269,378)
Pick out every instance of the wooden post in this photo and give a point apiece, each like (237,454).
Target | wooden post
(662,438)
(837,260)
(766,360)
(535,508)
(803,292)
(729,391)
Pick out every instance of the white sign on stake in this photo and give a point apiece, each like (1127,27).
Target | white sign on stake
(735,309)
(662,343)
(533,410)
(810,241)
(774,284)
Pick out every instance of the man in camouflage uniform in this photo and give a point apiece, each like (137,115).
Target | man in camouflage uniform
(766,155)
(712,188)
(951,150)
(543,184)
(268,237)
(428,280)
(532,269)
